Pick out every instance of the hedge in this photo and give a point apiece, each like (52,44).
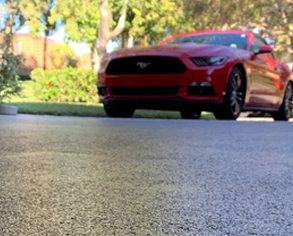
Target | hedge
(65,85)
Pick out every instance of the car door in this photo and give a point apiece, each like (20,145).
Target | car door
(263,78)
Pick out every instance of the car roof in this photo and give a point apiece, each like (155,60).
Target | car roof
(250,34)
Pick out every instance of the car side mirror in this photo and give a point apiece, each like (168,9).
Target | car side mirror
(266,48)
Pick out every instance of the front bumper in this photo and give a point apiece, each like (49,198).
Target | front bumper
(200,88)
(169,104)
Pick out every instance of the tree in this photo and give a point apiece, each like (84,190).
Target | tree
(12,20)
(63,56)
(9,83)
(105,33)
(38,16)
(225,14)
(278,24)
(91,21)
(150,21)
(81,21)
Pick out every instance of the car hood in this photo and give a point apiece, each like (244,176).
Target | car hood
(189,49)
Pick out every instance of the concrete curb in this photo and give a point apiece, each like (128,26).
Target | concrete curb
(8,110)
(260,119)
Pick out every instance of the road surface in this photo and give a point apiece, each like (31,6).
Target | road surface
(99,176)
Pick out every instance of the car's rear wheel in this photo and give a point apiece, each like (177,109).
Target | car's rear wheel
(117,111)
(285,110)
(189,114)
(234,99)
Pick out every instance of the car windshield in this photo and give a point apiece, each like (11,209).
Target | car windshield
(232,40)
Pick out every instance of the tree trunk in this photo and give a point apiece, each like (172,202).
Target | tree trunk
(130,41)
(144,41)
(96,60)
(104,30)
(291,52)
(123,40)
(8,35)
(45,52)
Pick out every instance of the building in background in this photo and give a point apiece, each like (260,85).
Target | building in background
(32,48)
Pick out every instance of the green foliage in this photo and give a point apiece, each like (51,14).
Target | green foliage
(66,85)
(154,19)
(278,24)
(9,79)
(63,56)
(38,15)
(150,21)
(24,77)
(218,14)
(81,19)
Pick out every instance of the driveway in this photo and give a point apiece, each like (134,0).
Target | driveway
(99,176)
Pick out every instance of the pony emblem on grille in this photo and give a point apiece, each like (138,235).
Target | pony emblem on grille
(143,65)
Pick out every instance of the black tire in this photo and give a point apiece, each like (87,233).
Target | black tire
(234,98)
(285,110)
(192,115)
(118,111)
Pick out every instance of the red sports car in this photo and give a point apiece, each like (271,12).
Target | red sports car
(224,72)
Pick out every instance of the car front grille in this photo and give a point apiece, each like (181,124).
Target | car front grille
(144,91)
(145,65)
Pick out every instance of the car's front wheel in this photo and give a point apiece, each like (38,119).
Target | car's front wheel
(285,110)
(189,114)
(117,111)
(234,99)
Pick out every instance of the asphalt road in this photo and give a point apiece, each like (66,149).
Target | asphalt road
(98,176)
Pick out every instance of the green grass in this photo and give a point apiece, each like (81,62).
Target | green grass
(27,103)
(26,94)
(59,109)
(84,110)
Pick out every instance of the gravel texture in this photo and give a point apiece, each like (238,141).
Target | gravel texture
(98,176)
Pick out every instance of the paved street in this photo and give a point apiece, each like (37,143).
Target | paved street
(99,176)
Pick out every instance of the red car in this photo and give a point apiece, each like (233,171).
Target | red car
(224,72)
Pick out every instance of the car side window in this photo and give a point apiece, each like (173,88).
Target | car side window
(257,42)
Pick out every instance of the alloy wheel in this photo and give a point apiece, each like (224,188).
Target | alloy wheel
(236,98)
(288,101)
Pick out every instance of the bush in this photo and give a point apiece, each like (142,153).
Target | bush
(24,77)
(65,85)
(9,80)
(63,56)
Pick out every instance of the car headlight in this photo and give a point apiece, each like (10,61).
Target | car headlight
(209,61)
